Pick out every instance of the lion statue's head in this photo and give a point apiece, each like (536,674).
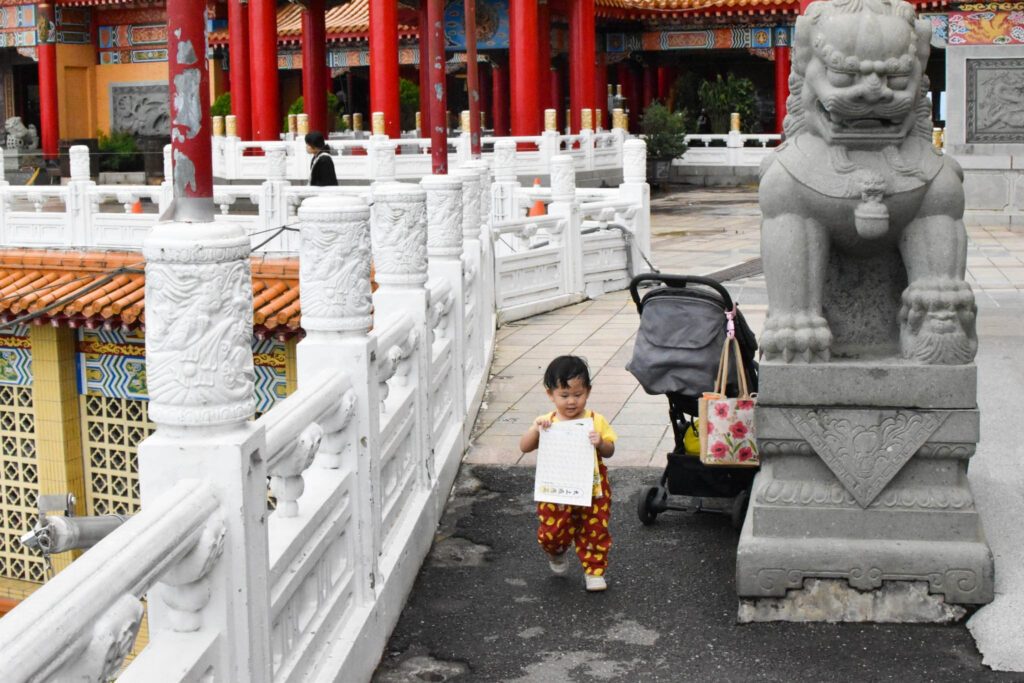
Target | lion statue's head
(858,74)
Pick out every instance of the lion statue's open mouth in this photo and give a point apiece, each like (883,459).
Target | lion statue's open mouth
(858,167)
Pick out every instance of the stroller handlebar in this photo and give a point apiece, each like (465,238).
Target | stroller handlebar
(678,281)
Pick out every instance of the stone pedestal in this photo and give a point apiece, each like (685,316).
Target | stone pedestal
(854,488)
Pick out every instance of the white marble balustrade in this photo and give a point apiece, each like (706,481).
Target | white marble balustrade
(361,458)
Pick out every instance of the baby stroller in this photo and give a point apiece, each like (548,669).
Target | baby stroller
(677,351)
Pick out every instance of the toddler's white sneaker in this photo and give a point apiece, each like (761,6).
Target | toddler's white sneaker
(595,583)
(558,564)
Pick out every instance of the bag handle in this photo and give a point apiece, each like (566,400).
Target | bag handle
(723,364)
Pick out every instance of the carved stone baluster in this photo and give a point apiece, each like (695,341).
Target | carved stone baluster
(399,236)
(563,203)
(635,190)
(472,258)
(445,248)
(201,386)
(334,285)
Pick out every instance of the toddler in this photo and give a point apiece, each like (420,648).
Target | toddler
(567,381)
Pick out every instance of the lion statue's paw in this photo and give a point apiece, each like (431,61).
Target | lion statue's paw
(797,337)
(937,322)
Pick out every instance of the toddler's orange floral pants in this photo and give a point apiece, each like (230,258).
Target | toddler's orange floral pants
(585,527)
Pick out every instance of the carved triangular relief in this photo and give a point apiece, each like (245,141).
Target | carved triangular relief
(865,448)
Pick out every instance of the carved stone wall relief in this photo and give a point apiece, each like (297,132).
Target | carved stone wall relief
(995,100)
(140,109)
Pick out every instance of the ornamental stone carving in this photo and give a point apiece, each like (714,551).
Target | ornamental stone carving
(334,266)
(185,587)
(199,325)
(399,234)
(634,161)
(277,160)
(865,449)
(112,639)
(858,176)
(563,178)
(505,161)
(382,158)
(79,157)
(995,103)
(444,216)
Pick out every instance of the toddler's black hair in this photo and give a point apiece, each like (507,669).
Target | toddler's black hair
(563,370)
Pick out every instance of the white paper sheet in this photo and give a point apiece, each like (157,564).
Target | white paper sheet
(565,463)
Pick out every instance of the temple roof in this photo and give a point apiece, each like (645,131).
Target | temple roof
(347,21)
(106,289)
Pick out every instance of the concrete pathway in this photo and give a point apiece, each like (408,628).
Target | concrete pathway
(486,608)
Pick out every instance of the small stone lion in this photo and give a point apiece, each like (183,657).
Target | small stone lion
(858,174)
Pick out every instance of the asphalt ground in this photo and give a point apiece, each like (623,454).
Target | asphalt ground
(486,607)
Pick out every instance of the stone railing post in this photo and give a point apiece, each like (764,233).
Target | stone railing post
(464,145)
(273,206)
(167,186)
(563,203)
(381,150)
(334,285)
(201,385)
(550,138)
(444,262)
(399,236)
(503,191)
(587,138)
(636,191)
(231,158)
(78,210)
(486,253)
(473,263)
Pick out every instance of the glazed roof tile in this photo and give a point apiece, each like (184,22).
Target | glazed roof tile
(108,289)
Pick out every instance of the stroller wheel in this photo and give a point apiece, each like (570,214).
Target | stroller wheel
(739,509)
(647,506)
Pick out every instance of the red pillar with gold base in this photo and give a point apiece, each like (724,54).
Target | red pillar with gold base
(523,67)
(438,90)
(782,66)
(266,115)
(582,55)
(238,55)
(191,147)
(384,64)
(314,65)
(49,121)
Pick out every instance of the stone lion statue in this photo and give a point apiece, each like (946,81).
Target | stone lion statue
(18,136)
(857,178)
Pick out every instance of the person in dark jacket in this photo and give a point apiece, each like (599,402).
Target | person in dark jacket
(321,168)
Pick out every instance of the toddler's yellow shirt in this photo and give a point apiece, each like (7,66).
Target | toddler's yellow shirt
(602,427)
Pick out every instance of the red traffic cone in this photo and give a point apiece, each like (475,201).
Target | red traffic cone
(538,208)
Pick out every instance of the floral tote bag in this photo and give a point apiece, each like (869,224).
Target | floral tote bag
(727,424)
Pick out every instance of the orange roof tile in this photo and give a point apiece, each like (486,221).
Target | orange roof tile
(86,288)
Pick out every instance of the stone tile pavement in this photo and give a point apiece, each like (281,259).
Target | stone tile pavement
(695,232)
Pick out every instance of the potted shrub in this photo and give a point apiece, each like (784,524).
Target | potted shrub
(120,160)
(723,96)
(664,132)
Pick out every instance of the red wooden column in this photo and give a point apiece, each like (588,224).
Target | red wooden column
(438,95)
(266,117)
(499,98)
(314,64)
(472,78)
(525,103)
(664,84)
(384,64)
(582,55)
(238,53)
(649,85)
(424,71)
(49,122)
(782,66)
(544,91)
(189,82)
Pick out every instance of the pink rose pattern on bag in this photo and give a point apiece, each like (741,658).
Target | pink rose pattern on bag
(730,437)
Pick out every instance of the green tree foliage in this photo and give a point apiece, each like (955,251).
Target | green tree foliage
(333,112)
(118,151)
(721,97)
(408,103)
(664,132)
(221,106)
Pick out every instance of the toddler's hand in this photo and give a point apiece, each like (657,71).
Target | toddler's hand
(542,423)
(595,439)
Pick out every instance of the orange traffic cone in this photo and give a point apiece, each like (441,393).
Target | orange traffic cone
(538,208)
(137,206)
